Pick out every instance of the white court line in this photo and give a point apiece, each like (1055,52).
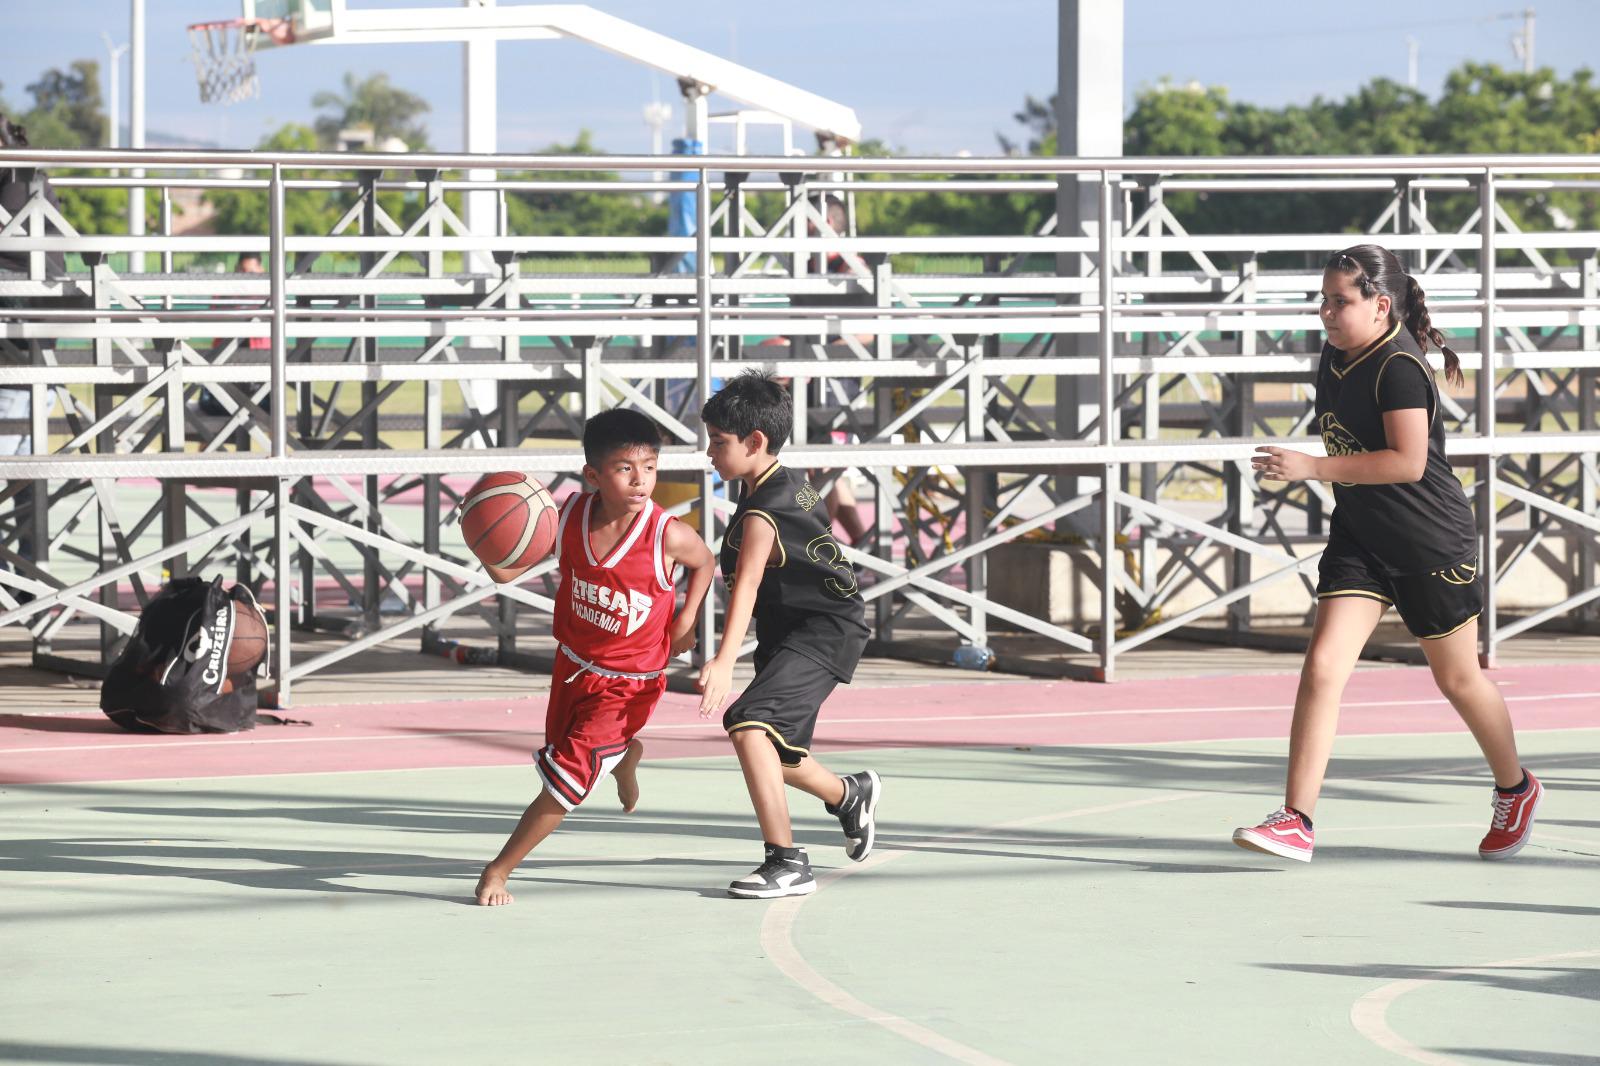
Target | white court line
(777,927)
(1369,1013)
(777,939)
(714,727)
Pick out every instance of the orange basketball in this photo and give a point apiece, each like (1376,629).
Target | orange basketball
(249,644)
(509,520)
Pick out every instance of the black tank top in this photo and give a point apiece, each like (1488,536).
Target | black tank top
(1410,528)
(808,601)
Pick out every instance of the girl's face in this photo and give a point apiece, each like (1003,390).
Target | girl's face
(1351,321)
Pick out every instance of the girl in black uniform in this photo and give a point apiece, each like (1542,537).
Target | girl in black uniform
(1401,535)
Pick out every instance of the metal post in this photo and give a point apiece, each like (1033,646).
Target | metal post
(1111,473)
(976,490)
(136,126)
(703,268)
(1489,465)
(166,231)
(373,589)
(1240,488)
(281,558)
(1588,340)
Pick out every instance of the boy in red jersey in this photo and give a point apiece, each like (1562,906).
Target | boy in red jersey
(614,628)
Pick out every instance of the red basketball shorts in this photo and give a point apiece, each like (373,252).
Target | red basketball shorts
(587,728)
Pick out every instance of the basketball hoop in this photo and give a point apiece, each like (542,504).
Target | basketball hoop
(224,56)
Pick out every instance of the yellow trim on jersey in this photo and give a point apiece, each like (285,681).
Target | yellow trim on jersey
(1391,335)
(1448,632)
(1356,592)
(1433,406)
(783,556)
(768,472)
(777,737)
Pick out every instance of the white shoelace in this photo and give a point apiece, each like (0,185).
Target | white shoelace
(1502,809)
(1281,815)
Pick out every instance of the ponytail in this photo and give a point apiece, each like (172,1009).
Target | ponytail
(1420,324)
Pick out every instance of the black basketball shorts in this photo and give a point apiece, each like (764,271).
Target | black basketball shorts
(1432,605)
(783,700)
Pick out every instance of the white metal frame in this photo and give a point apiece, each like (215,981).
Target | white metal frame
(934,337)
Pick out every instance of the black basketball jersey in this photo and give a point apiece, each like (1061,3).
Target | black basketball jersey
(807,601)
(1408,528)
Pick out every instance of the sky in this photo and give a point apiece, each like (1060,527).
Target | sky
(933,77)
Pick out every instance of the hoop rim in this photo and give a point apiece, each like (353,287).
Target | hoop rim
(281,30)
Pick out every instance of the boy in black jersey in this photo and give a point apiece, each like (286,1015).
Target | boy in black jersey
(787,574)
(1401,535)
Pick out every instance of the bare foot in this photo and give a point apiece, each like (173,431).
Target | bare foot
(627,776)
(492,889)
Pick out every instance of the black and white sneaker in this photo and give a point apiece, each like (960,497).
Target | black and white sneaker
(786,872)
(856,813)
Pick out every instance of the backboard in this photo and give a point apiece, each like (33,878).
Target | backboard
(309,20)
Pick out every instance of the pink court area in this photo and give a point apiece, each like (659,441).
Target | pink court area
(46,747)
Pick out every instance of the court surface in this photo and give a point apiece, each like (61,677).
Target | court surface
(1054,883)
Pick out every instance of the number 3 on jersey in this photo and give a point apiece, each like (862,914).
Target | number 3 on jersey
(826,550)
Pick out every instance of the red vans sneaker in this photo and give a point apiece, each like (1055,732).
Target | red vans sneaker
(1513,821)
(1284,833)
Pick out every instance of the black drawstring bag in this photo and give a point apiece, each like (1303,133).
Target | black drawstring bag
(172,677)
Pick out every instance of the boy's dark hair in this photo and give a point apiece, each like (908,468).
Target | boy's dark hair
(753,400)
(608,431)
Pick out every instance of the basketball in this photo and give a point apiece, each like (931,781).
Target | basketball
(249,644)
(509,520)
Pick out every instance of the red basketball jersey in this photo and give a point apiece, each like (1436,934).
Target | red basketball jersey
(615,612)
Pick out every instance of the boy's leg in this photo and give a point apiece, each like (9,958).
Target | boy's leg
(627,776)
(853,800)
(764,777)
(538,822)
(814,778)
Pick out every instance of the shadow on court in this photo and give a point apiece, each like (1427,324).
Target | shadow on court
(1542,1058)
(1572,982)
(121,1056)
(1501,905)
(295,871)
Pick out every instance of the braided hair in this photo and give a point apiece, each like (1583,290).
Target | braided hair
(1375,270)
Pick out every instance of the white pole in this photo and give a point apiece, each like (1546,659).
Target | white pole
(136,126)
(1411,62)
(479,122)
(114,88)
(1527,41)
(479,118)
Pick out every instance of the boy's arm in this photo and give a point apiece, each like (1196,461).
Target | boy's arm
(505,577)
(684,547)
(755,550)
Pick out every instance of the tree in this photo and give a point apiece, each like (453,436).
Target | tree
(72,98)
(1038,117)
(67,113)
(373,102)
(1482,109)
(306,211)
(580,213)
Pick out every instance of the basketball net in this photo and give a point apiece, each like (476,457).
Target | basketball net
(224,56)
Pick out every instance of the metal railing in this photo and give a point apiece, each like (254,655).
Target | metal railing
(968,393)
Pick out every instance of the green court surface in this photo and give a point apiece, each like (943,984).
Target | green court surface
(1025,905)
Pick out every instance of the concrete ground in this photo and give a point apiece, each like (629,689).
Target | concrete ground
(1054,880)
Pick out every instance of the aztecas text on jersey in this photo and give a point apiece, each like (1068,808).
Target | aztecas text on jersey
(616,611)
